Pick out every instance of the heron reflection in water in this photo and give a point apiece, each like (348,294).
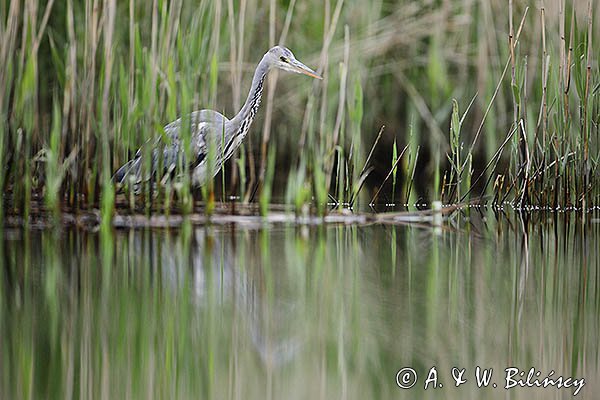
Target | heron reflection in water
(231,278)
(210,130)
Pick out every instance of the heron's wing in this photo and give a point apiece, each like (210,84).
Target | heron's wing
(205,127)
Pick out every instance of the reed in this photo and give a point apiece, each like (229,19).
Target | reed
(85,84)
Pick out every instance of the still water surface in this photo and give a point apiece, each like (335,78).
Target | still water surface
(281,311)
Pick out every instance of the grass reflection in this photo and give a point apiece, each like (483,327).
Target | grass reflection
(296,312)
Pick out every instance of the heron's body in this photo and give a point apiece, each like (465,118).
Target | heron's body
(210,130)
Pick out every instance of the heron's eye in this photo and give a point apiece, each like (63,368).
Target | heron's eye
(282,58)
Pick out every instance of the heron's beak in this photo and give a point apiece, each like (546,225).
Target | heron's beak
(303,69)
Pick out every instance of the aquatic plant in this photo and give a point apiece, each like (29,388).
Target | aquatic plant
(85,84)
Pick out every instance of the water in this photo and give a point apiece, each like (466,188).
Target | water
(282,311)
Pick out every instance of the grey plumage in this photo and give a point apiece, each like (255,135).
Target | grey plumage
(209,130)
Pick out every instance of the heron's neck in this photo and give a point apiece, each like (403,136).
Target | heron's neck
(244,118)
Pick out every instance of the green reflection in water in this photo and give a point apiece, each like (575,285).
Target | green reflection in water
(296,312)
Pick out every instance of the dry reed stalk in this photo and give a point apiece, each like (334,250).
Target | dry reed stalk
(272,82)
(527,163)
(237,101)
(272,78)
(545,67)
(69,122)
(42,27)
(131,52)
(513,80)
(389,174)
(29,13)
(511,48)
(372,149)
(109,14)
(8,46)
(412,176)
(325,87)
(586,128)
(562,66)
(542,121)
(88,94)
(328,32)
(340,115)
(235,58)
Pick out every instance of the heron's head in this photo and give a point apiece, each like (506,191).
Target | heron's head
(282,58)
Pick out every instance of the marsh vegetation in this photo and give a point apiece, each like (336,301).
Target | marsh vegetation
(421,101)
(307,268)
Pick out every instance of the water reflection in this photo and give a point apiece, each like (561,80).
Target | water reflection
(296,312)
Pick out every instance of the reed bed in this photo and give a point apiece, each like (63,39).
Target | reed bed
(479,99)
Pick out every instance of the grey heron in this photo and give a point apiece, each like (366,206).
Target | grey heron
(210,128)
